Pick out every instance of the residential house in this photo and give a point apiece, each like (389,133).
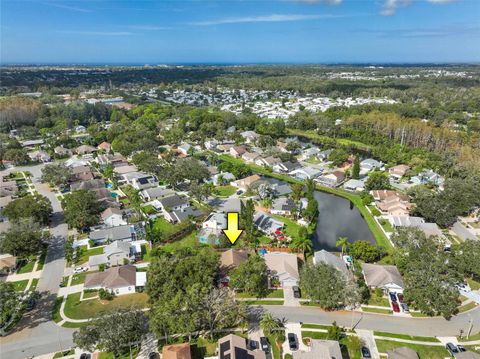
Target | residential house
(212,227)
(151,194)
(285,167)
(237,151)
(185,149)
(308,153)
(88,184)
(229,260)
(115,254)
(283,206)
(246,182)
(230,205)
(122,170)
(118,280)
(116,160)
(325,257)
(73,162)
(249,136)
(402,353)
(225,147)
(221,178)
(110,234)
(32,144)
(269,161)
(306,172)
(427,176)
(397,172)
(320,349)
(177,216)
(83,173)
(369,165)
(112,217)
(39,156)
(391,202)
(139,180)
(386,277)
(333,179)
(354,185)
(8,188)
(282,268)
(405,221)
(85,149)
(250,157)
(266,223)
(324,155)
(177,351)
(105,146)
(235,347)
(172,203)
(282,189)
(80,129)
(211,144)
(62,151)
(8,263)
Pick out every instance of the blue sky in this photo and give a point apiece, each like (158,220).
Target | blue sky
(231,31)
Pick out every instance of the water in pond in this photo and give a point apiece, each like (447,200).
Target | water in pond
(338,217)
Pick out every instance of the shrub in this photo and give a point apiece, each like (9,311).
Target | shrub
(101,267)
(105,294)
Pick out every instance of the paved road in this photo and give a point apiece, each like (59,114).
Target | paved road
(413,326)
(36,333)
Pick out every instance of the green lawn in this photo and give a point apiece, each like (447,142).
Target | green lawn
(34,284)
(64,353)
(264,302)
(291,228)
(26,266)
(354,198)
(41,260)
(84,253)
(164,226)
(146,253)
(149,209)
(80,277)
(314,335)
(378,301)
(405,336)
(376,310)
(90,294)
(471,337)
(75,309)
(466,307)
(224,191)
(20,285)
(276,351)
(473,284)
(277,293)
(419,315)
(316,326)
(423,351)
(56,310)
(189,241)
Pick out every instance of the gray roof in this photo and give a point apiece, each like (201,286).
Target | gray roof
(283,204)
(158,192)
(283,189)
(173,201)
(189,211)
(402,353)
(332,260)
(230,205)
(113,233)
(267,223)
(379,275)
(463,232)
(404,221)
(354,183)
(320,349)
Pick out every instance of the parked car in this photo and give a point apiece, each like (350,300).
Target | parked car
(292,341)
(80,270)
(31,304)
(153,355)
(239,192)
(264,345)
(405,308)
(462,286)
(253,344)
(85,356)
(366,352)
(400,297)
(452,348)
(396,308)
(393,296)
(296,292)
(461,348)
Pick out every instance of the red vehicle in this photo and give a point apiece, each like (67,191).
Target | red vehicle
(396,308)
(400,297)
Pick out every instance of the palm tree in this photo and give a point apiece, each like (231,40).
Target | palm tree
(302,243)
(269,324)
(342,242)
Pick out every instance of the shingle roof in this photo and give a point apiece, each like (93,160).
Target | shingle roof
(113,277)
(379,275)
(328,258)
(402,353)
(176,351)
(232,258)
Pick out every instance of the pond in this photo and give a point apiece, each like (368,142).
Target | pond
(338,217)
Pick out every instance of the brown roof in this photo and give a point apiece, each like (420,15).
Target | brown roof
(235,347)
(110,211)
(104,146)
(81,169)
(85,149)
(86,176)
(379,275)
(176,351)
(113,277)
(399,170)
(232,258)
(7,261)
(239,149)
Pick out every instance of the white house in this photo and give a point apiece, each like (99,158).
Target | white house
(184,148)
(113,217)
(369,165)
(118,280)
(249,136)
(304,173)
(354,185)
(151,194)
(223,177)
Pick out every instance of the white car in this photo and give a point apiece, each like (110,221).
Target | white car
(80,270)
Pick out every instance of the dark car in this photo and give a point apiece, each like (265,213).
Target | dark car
(461,348)
(405,308)
(85,356)
(366,352)
(296,292)
(253,344)
(393,296)
(264,345)
(400,297)
(452,348)
(153,355)
(292,341)
(396,308)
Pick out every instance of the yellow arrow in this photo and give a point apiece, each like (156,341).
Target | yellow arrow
(232,232)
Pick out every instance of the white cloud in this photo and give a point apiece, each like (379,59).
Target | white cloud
(66,7)
(265,18)
(440,1)
(390,6)
(149,28)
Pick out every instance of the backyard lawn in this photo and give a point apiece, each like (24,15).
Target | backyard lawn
(423,351)
(291,228)
(20,285)
(224,191)
(166,228)
(75,309)
(189,241)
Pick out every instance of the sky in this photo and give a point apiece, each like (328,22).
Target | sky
(236,31)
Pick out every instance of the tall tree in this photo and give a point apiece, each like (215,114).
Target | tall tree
(81,209)
(356,168)
(56,174)
(377,180)
(270,325)
(36,206)
(251,277)
(342,242)
(23,239)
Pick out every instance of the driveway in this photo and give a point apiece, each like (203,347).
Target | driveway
(369,341)
(473,295)
(295,328)
(289,299)
(36,333)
